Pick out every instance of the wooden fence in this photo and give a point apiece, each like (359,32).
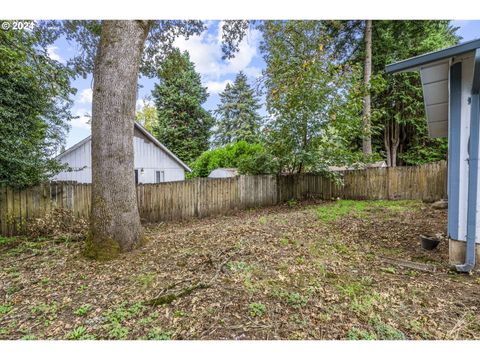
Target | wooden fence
(203,197)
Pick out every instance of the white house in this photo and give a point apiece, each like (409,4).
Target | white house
(153,162)
(451,91)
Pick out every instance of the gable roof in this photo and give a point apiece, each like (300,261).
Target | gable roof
(144,132)
(161,146)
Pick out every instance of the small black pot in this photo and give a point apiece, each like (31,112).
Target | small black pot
(428,242)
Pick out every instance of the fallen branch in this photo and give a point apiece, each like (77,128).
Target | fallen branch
(163,298)
(169,298)
(409,264)
(20,259)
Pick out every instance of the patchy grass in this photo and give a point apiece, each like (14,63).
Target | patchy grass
(5,241)
(342,208)
(295,271)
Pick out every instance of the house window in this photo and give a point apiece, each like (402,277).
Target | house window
(159,176)
(136,177)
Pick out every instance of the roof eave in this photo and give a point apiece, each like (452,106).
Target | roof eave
(415,62)
(73,147)
(161,146)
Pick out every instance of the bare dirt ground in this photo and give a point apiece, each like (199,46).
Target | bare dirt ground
(297,271)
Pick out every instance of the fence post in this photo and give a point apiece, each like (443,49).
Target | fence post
(387,178)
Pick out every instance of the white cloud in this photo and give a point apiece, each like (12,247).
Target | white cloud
(54,55)
(206,52)
(85,96)
(252,71)
(215,87)
(82,121)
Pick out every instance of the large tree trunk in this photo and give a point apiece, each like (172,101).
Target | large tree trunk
(367,137)
(115,221)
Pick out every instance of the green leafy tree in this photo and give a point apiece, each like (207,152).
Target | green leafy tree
(237,117)
(34,109)
(147,115)
(301,78)
(183,125)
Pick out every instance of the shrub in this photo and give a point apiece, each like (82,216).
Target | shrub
(251,159)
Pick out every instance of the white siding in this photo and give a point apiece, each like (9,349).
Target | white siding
(151,158)
(147,156)
(80,160)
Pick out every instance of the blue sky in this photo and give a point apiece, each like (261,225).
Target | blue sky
(205,52)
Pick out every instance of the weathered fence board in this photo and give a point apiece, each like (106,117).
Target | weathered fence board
(203,197)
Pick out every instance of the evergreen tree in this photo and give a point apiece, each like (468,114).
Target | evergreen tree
(237,117)
(182,124)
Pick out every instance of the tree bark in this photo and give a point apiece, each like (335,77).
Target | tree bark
(386,142)
(115,221)
(367,137)
(391,140)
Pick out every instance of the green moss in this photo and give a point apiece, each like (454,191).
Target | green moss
(107,249)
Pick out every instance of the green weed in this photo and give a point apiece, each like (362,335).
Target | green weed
(292,202)
(360,334)
(79,333)
(117,331)
(5,308)
(83,310)
(147,279)
(257,309)
(28,337)
(296,300)
(300,260)
(239,266)
(159,334)
(179,313)
(385,331)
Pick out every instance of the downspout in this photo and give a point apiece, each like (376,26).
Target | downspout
(473,171)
